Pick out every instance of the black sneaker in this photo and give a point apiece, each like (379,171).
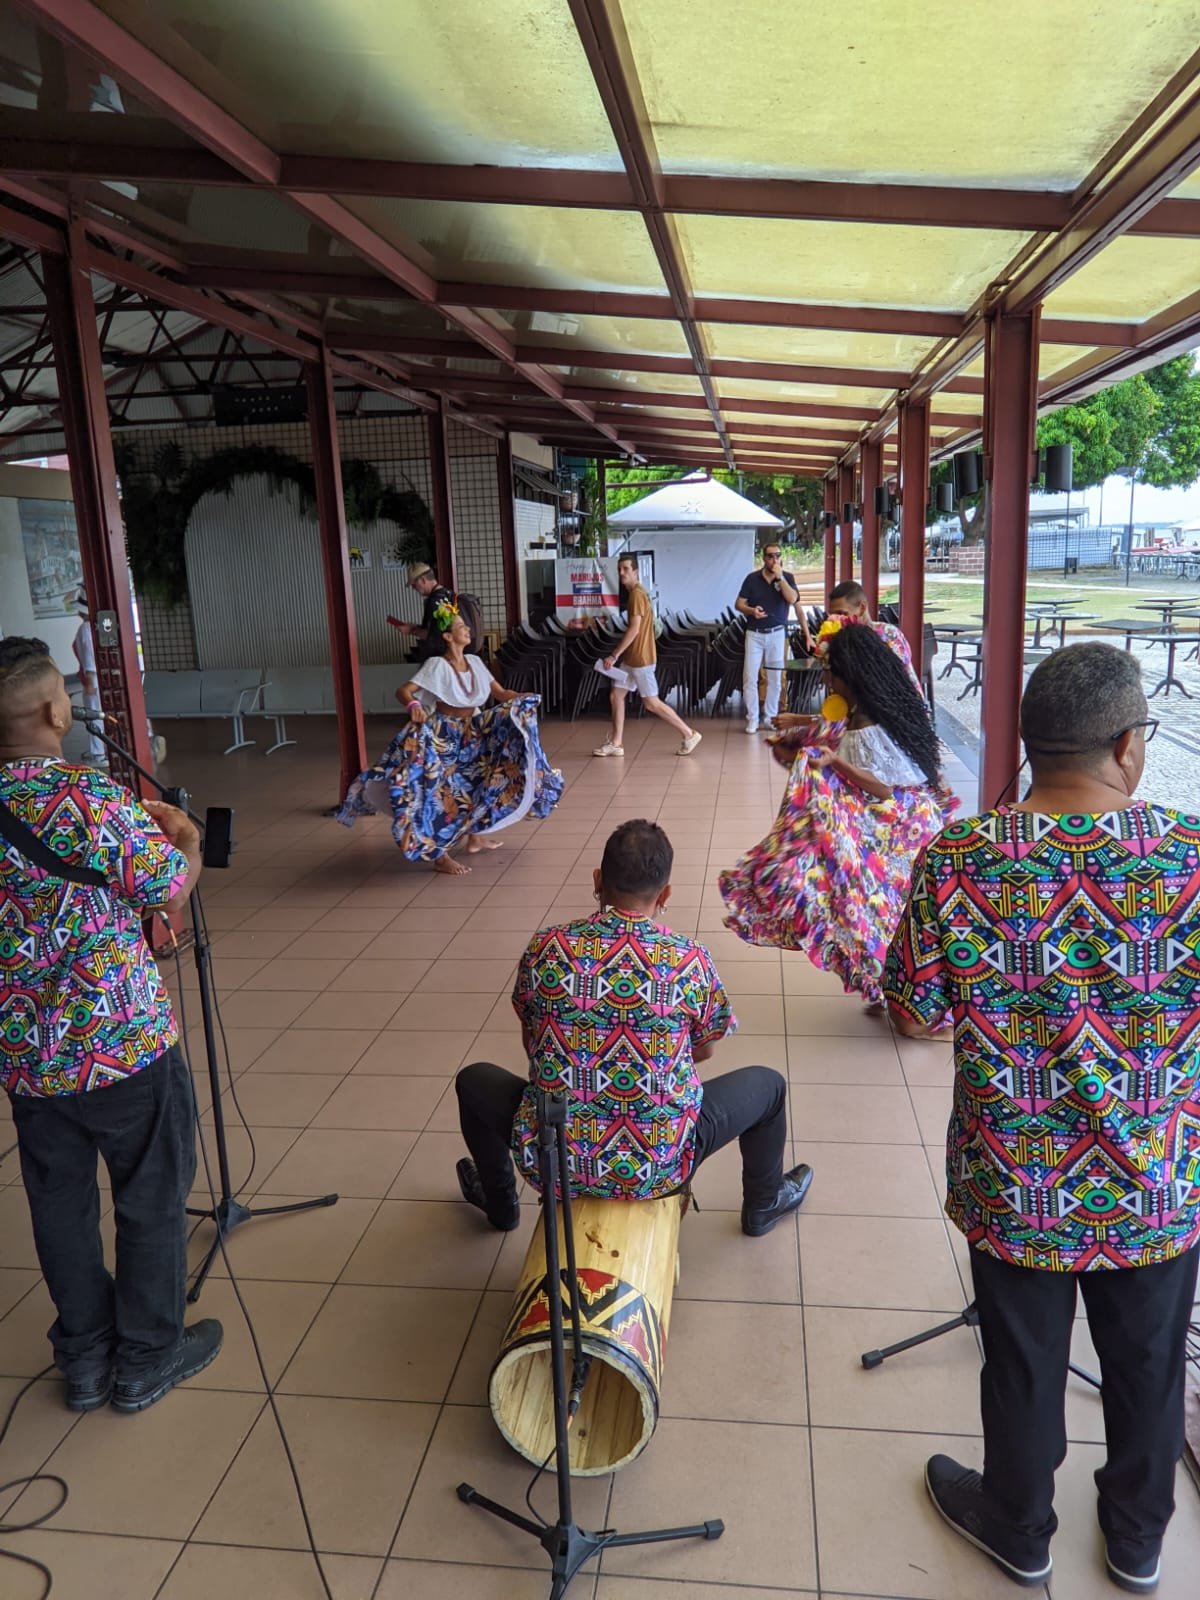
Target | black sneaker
(200,1345)
(88,1391)
(757,1220)
(1133,1568)
(957,1492)
(505,1215)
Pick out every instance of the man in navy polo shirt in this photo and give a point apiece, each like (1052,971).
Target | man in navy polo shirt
(765,600)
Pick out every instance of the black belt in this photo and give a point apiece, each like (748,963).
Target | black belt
(780,627)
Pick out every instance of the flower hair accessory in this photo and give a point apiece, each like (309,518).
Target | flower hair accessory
(826,631)
(445,614)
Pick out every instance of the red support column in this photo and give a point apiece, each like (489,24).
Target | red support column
(830,532)
(914,496)
(1010,404)
(845,497)
(872,478)
(506,491)
(72,319)
(335,561)
(443,499)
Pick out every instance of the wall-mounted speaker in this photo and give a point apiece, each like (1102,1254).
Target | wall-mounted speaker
(847,511)
(1059,468)
(881,500)
(829,519)
(964,469)
(943,497)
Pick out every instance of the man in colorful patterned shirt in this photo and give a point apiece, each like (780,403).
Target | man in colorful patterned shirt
(616,1010)
(1061,938)
(849,599)
(88,1048)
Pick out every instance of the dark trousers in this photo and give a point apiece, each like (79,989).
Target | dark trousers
(143,1127)
(749,1105)
(1138,1318)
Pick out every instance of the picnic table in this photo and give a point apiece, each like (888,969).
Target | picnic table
(1172,641)
(955,634)
(1059,620)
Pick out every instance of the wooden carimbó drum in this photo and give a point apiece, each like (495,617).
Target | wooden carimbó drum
(626,1259)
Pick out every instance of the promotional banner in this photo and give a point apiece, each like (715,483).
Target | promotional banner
(585,587)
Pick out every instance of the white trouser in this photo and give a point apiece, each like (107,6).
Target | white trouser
(767,650)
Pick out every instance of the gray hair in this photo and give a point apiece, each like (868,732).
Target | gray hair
(1078,700)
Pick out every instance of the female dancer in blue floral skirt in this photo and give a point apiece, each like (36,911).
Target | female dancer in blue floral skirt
(456,771)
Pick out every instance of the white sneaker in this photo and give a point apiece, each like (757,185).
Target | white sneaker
(752,727)
(608,748)
(689,744)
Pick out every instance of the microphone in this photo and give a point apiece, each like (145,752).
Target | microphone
(83,714)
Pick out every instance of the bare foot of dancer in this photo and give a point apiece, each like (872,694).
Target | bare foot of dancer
(476,845)
(874,1008)
(447,864)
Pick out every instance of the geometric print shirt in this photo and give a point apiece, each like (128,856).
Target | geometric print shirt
(81,1001)
(611,1008)
(1066,950)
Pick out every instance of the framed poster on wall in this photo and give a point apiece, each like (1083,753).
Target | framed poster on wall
(585,587)
(51,556)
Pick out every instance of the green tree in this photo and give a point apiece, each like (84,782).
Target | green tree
(1146,427)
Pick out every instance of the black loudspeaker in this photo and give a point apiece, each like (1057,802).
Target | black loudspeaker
(1059,468)
(965,470)
(847,511)
(943,497)
(881,500)
(829,519)
(218,836)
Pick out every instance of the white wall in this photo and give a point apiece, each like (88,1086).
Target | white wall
(699,570)
(16,603)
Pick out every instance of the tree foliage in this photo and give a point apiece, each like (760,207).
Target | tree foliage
(1147,426)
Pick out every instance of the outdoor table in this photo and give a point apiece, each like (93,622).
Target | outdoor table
(1059,620)
(1131,630)
(1032,655)
(1166,608)
(803,683)
(1172,642)
(954,634)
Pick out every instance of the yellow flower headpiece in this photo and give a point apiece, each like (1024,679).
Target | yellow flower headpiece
(444,615)
(826,631)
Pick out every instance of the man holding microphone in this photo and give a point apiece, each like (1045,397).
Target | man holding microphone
(765,600)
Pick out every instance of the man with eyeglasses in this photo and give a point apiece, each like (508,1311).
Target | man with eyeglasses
(765,600)
(1060,938)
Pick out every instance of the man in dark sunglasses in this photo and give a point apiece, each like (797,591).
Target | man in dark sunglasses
(766,599)
(1060,938)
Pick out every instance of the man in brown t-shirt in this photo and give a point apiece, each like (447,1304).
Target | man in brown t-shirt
(640,652)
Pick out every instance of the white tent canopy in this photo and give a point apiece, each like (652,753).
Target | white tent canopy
(695,503)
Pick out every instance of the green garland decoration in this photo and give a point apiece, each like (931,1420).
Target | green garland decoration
(158,503)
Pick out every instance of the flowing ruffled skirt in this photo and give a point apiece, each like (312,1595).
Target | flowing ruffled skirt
(832,876)
(449,777)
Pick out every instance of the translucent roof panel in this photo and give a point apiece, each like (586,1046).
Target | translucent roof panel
(861,89)
(246,219)
(1133,279)
(641,335)
(536,246)
(493,81)
(815,346)
(842,263)
(761,389)
(632,382)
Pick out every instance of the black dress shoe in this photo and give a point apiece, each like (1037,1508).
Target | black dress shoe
(757,1220)
(957,1492)
(504,1214)
(88,1391)
(200,1344)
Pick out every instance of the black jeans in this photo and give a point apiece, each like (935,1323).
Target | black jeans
(143,1127)
(1138,1318)
(749,1105)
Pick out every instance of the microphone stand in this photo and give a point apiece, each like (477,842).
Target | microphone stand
(228,1213)
(568,1545)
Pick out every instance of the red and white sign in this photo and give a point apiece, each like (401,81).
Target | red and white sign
(586,587)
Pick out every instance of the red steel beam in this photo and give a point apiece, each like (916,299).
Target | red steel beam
(914,497)
(88,439)
(442,498)
(830,516)
(601,30)
(872,479)
(845,497)
(335,563)
(1011,367)
(506,489)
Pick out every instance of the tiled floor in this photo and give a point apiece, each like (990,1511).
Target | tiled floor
(351,988)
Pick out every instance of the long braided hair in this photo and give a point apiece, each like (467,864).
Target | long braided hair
(880,683)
